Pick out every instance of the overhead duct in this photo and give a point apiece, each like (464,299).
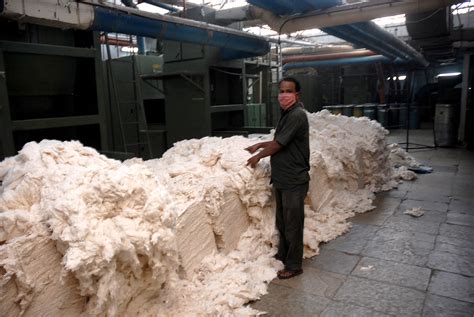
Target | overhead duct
(288,7)
(340,62)
(378,34)
(231,15)
(362,34)
(316,50)
(160,4)
(350,13)
(320,57)
(372,41)
(294,42)
(348,34)
(108,18)
(371,36)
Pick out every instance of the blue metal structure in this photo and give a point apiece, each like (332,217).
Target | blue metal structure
(141,45)
(235,44)
(111,18)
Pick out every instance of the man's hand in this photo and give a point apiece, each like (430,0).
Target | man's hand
(253,161)
(253,148)
(268,149)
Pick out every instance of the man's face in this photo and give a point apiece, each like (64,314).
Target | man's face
(289,87)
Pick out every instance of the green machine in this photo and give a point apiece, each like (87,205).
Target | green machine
(137,105)
(51,87)
(205,96)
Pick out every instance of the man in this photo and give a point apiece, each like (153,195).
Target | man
(289,151)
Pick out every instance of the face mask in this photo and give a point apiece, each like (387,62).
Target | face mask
(286,99)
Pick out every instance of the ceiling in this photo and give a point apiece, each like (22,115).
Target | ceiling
(441,35)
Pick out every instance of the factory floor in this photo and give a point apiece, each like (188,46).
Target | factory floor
(390,263)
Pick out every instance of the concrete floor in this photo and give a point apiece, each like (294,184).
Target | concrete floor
(392,264)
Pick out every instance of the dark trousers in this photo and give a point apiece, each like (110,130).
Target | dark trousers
(290,224)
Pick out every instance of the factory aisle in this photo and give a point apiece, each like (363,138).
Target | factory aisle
(390,263)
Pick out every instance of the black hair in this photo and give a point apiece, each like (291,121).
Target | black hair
(293,80)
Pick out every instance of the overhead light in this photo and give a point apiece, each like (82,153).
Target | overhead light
(448,74)
(128,49)
(401,77)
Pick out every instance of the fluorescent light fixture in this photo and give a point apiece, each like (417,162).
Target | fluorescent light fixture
(391,20)
(128,49)
(448,74)
(401,77)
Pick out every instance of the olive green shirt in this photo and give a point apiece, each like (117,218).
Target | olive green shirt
(290,165)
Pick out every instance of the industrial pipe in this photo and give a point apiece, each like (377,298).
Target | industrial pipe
(116,42)
(371,36)
(351,13)
(294,42)
(140,39)
(341,61)
(372,30)
(363,34)
(159,4)
(343,32)
(288,7)
(141,45)
(322,57)
(178,29)
(375,42)
(119,19)
(326,49)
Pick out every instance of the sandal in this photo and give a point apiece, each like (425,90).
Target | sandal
(286,274)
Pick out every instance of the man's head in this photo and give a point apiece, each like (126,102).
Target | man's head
(289,83)
(289,92)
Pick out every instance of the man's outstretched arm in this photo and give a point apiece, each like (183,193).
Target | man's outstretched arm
(268,148)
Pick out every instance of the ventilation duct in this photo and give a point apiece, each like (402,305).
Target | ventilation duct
(362,34)
(109,18)
(320,57)
(288,7)
(340,62)
(345,14)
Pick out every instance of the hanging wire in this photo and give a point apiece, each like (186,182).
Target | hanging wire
(425,18)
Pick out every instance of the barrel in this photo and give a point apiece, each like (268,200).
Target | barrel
(414,120)
(347,110)
(382,115)
(393,115)
(446,125)
(403,115)
(358,111)
(370,111)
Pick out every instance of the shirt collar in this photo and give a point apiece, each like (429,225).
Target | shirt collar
(295,105)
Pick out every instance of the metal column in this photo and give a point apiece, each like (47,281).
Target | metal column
(99,78)
(465,90)
(8,146)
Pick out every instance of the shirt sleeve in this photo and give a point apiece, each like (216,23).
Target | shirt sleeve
(289,130)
